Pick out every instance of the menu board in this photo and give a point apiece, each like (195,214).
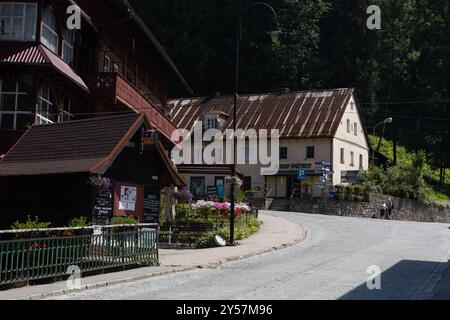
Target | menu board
(103,207)
(152,202)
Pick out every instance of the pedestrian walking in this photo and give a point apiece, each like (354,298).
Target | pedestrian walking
(390,208)
(383,210)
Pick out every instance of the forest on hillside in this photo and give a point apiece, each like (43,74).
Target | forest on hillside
(401,71)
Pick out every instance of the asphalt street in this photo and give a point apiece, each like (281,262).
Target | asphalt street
(332,263)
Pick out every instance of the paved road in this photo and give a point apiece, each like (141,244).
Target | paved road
(331,264)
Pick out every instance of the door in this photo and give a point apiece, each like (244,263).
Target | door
(281,187)
(271,188)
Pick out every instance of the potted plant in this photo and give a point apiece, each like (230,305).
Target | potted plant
(184,196)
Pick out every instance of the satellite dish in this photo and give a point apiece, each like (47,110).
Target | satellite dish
(220,242)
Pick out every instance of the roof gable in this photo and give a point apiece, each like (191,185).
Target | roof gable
(85,146)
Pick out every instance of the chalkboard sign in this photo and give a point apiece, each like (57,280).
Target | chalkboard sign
(152,201)
(103,207)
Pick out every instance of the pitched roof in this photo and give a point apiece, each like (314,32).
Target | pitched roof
(84,146)
(37,54)
(306,114)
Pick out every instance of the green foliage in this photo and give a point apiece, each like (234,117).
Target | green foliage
(80,222)
(30,223)
(241,232)
(325,44)
(125,220)
(409,178)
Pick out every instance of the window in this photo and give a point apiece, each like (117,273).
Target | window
(68,45)
(45,112)
(361,160)
(106,64)
(310,152)
(211,122)
(352,159)
(116,68)
(348,126)
(355,129)
(247,183)
(15,105)
(64,113)
(198,186)
(342,155)
(49,34)
(283,153)
(18,21)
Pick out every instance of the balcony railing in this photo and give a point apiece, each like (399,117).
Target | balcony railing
(113,87)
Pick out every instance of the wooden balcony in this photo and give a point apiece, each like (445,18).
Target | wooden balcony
(112,88)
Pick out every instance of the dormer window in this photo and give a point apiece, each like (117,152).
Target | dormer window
(212,122)
(18,21)
(49,34)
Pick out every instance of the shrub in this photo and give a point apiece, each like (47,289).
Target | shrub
(30,223)
(125,220)
(243,232)
(80,222)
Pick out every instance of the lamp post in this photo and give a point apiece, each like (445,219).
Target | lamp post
(274,35)
(384,123)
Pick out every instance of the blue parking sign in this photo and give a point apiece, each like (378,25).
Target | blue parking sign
(301,175)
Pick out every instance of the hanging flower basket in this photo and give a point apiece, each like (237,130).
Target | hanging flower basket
(100,183)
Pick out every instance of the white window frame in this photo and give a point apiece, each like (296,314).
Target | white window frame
(352,159)
(361,161)
(342,155)
(15,112)
(43,116)
(107,67)
(68,46)
(54,47)
(211,122)
(12,16)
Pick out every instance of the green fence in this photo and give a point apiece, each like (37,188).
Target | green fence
(39,254)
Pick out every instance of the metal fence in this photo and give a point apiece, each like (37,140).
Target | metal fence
(39,254)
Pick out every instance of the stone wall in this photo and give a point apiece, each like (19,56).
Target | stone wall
(260,203)
(405,210)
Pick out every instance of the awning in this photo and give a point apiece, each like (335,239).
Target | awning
(31,53)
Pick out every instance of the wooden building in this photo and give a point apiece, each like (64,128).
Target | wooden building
(51,75)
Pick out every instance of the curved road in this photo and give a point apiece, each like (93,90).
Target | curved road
(330,264)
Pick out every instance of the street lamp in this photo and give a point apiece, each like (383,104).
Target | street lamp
(274,35)
(384,123)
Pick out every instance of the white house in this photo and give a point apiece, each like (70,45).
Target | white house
(319,131)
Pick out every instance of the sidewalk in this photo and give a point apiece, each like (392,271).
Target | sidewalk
(276,233)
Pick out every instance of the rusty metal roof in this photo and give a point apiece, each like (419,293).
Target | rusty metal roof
(306,114)
(37,54)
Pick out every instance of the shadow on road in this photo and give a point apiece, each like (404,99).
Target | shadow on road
(406,280)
